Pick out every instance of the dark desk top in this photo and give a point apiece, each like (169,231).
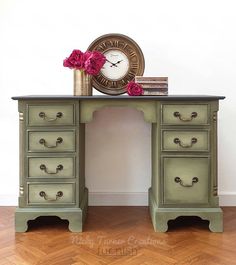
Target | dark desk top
(106,97)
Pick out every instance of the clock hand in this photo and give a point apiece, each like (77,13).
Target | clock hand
(118,62)
(112,64)
(115,64)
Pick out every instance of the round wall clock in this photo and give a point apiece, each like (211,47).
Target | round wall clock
(124,61)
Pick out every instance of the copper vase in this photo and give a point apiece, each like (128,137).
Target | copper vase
(82,83)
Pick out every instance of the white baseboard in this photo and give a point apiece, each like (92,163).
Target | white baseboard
(120,199)
(227,198)
(8,200)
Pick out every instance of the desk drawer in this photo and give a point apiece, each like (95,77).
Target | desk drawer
(51,193)
(183,114)
(51,141)
(186,180)
(51,167)
(177,140)
(43,115)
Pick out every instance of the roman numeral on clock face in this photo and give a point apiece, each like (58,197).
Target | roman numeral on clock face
(126,79)
(134,65)
(102,46)
(113,84)
(99,77)
(132,54)
(102,80)
(105,82)
(131,75)
(125,46)
(115,43)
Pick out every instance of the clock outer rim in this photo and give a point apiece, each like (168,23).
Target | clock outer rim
(122,90)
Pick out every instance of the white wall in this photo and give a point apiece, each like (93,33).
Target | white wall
(191,42)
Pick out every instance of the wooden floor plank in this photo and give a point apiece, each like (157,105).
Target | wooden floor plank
(117,236)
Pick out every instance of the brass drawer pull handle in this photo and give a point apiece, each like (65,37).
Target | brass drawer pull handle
(179,180)
(178,115)
(44,168)
(45,196)
(178,141)
(43,142)
(44,116)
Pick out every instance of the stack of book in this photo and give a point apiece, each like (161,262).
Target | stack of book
(153,86)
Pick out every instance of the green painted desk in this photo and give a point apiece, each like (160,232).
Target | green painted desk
(184,157)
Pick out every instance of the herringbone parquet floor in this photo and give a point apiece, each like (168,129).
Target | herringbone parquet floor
(116,236)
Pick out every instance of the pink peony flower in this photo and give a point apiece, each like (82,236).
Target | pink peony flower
(90,61)
(87,54)
(75,61)
(94,62)
(134,89)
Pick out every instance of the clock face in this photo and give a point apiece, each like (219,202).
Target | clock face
(116,66)
(124,61)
